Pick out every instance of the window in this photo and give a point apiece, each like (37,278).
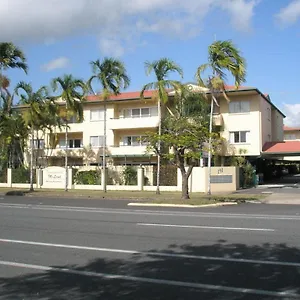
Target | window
(237,137)
(97,115)
(38,143)
(72,143)
(97,141)
(134,141)
(239,107)
(144,112)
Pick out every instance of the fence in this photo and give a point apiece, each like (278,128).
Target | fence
(223,179)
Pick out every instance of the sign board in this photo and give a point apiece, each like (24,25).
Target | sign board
(54,177)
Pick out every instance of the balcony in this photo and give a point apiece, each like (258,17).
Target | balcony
(128,151)
(136,123)
(218,120)
(60,152)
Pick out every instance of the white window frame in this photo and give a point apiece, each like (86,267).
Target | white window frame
(236,107)
(153,112)
(100,112)
(240,132)
(138,137)
(100,141)
(62,143)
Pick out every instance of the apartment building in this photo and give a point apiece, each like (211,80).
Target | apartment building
(128,119)
(249,121)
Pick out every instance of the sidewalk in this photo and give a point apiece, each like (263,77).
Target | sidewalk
(282,198)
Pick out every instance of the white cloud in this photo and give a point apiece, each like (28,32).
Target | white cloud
(58,63)
(292,112)
(241,12)
(117,23)
(289,14)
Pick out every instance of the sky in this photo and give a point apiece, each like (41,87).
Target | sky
(63,37)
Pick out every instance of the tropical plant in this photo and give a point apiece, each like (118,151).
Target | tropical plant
(73,91)
(223,57)
(33,114)
(161,69)
(184,134)
(11,57)
(112,76)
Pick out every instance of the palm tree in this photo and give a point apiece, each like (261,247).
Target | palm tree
(73,91)
(34,115)
(162,69)
(223,56)
(112,76)
(11,57)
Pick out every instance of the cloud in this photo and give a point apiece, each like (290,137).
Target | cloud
(292,112)
(58,63)
(289,14)
(241,13)
(118,24)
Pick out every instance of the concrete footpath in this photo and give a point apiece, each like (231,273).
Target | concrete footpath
(283,198)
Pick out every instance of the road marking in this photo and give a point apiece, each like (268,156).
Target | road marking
(151,280)
(149,212)
(206,227)
(156,254)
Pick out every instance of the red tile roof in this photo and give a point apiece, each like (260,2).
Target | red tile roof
(147,94)
(122,96)
(282,147)
(286,128)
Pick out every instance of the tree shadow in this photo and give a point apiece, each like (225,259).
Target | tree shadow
(56,284)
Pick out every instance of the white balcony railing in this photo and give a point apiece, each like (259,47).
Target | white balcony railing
(128,150)
(129,123)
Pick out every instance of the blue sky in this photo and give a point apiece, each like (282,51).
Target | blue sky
(64,36)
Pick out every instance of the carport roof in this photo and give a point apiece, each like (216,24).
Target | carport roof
(287,147)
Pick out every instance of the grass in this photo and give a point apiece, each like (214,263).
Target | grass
(148,197)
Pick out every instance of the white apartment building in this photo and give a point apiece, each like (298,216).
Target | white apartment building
(249,121)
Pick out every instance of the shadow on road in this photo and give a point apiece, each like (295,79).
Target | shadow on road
(58,285)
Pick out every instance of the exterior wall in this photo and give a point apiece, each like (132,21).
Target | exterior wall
(54,178)
(267,134)
(277,126)
(242,122)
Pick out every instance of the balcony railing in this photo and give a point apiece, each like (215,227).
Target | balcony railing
(129,123)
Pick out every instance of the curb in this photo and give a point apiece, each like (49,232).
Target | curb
(182,205)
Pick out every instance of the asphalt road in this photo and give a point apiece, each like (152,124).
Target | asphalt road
(88,249)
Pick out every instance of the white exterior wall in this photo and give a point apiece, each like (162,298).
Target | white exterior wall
(242,122)
(266,121)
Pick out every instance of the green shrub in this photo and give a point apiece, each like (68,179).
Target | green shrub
(130,176)
(3,176)
(22,175)
(92,177)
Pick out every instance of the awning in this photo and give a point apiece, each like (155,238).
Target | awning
(286,148)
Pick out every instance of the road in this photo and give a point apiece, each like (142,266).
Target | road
(88,249)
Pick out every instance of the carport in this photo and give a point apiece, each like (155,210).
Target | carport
(279,159)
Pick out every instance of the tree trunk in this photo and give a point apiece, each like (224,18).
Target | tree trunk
(104,179)
(66,146)
(31,160)
(185,187)
(159,148)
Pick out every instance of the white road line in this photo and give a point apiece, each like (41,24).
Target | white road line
(206,227)
(156,254)
(149,212)
(151,280)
